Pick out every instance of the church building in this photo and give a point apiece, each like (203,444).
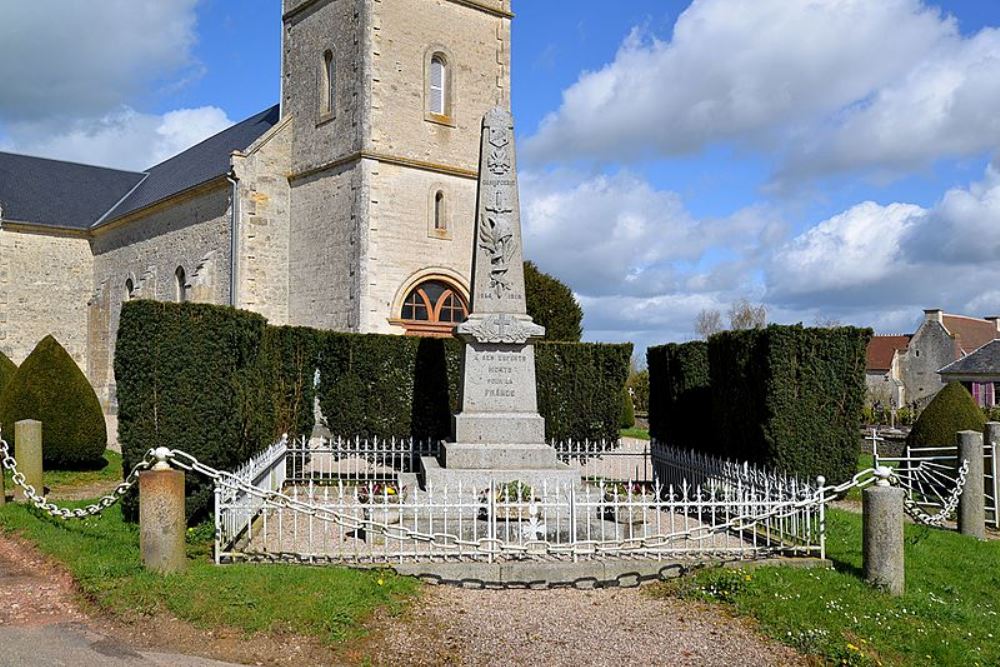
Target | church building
(350,205)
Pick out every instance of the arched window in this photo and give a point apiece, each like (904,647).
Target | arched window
(328,93)
(181,278)
(438,86)
(440,222)
(129,289)
(433,308)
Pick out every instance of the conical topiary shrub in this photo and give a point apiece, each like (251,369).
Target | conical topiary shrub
(951,411)
(51,388)
(7,370)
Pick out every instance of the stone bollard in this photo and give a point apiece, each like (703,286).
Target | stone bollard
(161,518)
(972,504)
(28,436)
(882,519)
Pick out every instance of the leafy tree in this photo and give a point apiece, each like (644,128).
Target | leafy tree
(628,410)
(745,315)
(51,388)
(552,304)
(951,411)
(638,387)
(7,370)
(708,323)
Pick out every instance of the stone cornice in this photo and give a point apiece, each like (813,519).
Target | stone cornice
(45,230)
(472,4)
(182,196)
(397,160)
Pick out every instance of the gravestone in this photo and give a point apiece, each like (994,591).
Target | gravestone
(498,435)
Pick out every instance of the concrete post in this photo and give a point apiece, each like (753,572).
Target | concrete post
(882,525)
(28,452)
(161,520)
(972,504)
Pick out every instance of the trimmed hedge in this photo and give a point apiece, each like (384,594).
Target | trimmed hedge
(222,384)
(51,388)
(214,381)
(7,370)
(951,411)
(580,389)
(790,397)
(680,410)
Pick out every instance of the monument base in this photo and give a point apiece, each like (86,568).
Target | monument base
(473,481)
(499,427)
(478,456)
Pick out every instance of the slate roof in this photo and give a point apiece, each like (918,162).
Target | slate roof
(59,194)
(984,361)
(881,350)
(78,196)
(198,164)
(971,333)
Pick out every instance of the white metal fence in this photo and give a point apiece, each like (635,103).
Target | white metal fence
(342,504)
(929,475)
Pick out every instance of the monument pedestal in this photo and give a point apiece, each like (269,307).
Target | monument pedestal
(472,481)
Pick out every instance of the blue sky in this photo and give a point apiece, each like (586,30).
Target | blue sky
(829,158)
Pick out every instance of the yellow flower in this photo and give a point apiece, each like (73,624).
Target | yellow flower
(390,491)
(381,581)
(853,647)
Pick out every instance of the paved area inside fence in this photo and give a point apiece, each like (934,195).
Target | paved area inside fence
(568,627)
(42,624)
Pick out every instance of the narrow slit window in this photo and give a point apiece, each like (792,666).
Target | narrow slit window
(440,223)
(329,96)
(181,278)
(438,84)
(129,289)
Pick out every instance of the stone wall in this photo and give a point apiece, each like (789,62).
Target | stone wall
(930,349)
(311,29)
(403,245)
(325,237)
(45,282)
(191,232)
(264,203)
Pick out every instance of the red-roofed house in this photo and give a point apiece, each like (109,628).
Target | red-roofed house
(940,340)
(882,374)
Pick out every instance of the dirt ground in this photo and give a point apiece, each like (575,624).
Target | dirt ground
(446,626)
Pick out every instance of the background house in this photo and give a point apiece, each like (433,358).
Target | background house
(979,372)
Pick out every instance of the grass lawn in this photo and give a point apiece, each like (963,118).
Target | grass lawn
(103,556)
(639,433)
(106,471)
(949,615)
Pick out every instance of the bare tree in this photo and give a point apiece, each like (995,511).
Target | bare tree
(707,323)
(745,315)
(824,322)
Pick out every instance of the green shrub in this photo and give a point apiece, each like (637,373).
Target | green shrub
(7,370)
(51,388)
(580,388)
(790,397)
(185,375)
(552,304)
(628,410)
(951,411)
(638,383)
(680,403)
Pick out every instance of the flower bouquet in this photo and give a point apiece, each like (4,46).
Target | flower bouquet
(512,501)
(384,501)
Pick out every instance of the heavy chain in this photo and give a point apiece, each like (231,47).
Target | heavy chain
(103,503)
(947,509)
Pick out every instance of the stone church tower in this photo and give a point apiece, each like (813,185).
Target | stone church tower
(386,99)
(348,206)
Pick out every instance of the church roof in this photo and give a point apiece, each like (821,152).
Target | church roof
(59,194)
(198,164)
(54,193)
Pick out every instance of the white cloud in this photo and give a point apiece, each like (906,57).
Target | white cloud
(74,58)
(834,84)
(74,72)
(125,139)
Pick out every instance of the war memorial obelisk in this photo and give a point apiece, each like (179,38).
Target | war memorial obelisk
(498,435)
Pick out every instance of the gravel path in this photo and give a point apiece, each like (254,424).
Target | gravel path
(453,626)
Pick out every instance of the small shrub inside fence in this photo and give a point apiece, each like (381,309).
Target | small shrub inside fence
(951,411)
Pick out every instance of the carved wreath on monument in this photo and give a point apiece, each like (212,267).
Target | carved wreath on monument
(496,230)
